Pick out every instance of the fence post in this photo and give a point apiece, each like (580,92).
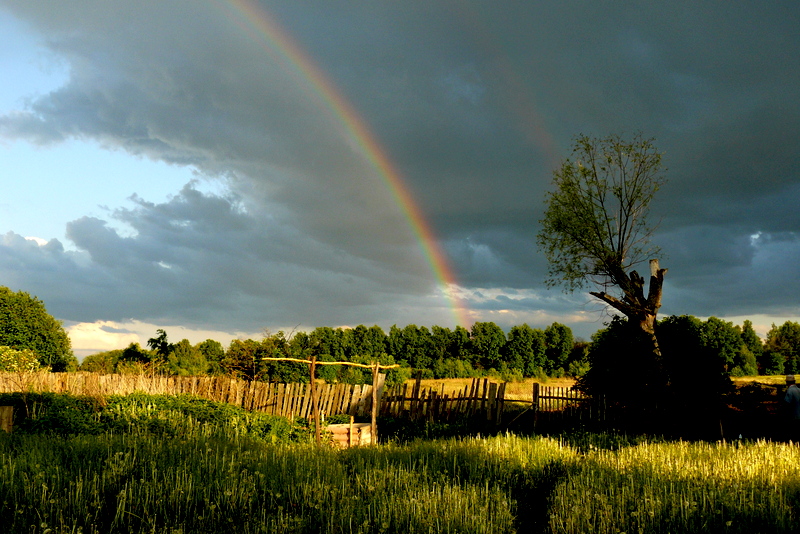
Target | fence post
(315,400)
(535,403)
(6,418)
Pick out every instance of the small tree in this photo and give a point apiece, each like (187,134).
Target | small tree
(596,228)
(25,324)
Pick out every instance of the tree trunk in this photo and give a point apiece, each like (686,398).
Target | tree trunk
(641,311)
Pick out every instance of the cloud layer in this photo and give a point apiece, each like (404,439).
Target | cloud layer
(473,104)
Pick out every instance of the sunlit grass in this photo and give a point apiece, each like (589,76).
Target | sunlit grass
(195,478)
(683,487)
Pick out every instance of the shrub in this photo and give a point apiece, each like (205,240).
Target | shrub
(18,361)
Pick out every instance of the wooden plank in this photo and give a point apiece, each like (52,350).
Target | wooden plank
(280,400)
(6,418)
(338,399)
(491,399)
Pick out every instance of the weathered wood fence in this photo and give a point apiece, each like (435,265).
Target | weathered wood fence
(479,399)
(560,405)
(286,400)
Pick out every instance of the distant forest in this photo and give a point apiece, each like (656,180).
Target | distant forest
(439,352)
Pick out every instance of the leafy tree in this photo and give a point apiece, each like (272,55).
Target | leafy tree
(135,359)
(160,344)
(578,363)
(771,363)
(696,356)
(25,324)
(459,347)
(441,339)
(214,353)
(102,362)
(279,346)
(525,349)
(723,340)
(186,360)
(783,344)
(596,228)
(617,372)
(329,347)
(412,344)
(369,343)
(559,342)
(452,368)
(751,339)
(328,342)
(243,359)
(487,341)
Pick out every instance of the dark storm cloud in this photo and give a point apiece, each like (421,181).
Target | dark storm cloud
(475,104)
(204,258)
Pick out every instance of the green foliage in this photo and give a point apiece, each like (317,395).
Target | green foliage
(452,368)
(161,415)
(723,339)
(783,344)
(772,363)
(214,353)
(695,359)
(135,359)
(744,363)
(595,224)
(751,339)
(525,349)
(102,362)
(559,343)
(186,360)
(487,341)
(25,324)
(160,344)
(398,376)
(412,344)
(18,361)
(243,359)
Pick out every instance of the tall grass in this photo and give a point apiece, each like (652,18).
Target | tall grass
(149,464)
(683,487)
(146,484)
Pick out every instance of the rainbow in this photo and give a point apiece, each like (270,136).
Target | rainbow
(258,23)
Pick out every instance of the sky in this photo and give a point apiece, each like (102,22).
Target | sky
(222,168)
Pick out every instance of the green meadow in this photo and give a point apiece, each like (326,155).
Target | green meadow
(195,471)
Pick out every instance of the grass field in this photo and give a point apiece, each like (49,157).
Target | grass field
(159,464)
(603,484)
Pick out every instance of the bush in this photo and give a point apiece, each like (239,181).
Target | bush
(160,415)
(18,361)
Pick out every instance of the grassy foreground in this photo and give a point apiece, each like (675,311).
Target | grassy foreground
(152,484)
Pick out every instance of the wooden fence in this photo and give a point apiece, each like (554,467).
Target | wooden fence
(286,400)
(557,406)
(480,399)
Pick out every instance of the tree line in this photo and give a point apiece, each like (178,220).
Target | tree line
(438,352)
(710,351)
(30,337)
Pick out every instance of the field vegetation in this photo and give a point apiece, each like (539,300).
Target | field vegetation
(152,464)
